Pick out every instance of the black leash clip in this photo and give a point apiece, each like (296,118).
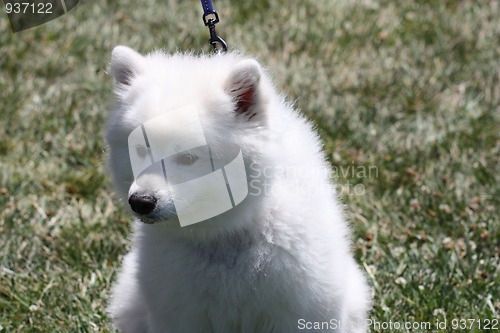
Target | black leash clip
(216,41)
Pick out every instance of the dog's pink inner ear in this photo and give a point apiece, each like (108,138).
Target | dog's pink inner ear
(243,86)
(244,97)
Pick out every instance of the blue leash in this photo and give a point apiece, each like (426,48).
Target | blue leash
(210,18)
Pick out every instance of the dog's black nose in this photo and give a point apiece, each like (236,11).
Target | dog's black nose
(142,204)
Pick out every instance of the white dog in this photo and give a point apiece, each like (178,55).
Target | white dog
(279,259)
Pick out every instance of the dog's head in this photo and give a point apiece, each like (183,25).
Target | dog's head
(183,133)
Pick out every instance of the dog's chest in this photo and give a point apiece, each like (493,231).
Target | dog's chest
(222,270)
(242,278)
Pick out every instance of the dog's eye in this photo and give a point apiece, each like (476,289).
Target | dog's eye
(186,159)
(142,151)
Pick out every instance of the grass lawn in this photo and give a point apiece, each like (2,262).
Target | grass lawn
(406,96)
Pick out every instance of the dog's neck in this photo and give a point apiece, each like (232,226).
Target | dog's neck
(225,249)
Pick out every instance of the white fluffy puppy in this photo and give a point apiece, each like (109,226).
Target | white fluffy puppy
(279,261)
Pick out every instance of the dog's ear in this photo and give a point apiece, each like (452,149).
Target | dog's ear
(125,65)
(243,87)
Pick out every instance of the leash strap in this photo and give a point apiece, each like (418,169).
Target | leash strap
(210,18)
(207,7)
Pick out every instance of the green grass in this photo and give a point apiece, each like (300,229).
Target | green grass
(410,89)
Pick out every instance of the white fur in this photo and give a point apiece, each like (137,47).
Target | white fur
(280,256)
